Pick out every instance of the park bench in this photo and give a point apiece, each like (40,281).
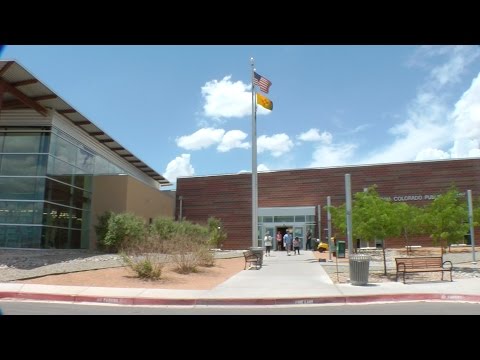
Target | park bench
(422,264)
(251,258)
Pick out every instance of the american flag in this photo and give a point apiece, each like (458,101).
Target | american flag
(261,82)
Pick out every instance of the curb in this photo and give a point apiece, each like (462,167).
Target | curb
(358,299)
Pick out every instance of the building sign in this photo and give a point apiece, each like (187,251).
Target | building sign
(416,197)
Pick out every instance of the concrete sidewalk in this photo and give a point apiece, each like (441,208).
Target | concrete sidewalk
(283,280)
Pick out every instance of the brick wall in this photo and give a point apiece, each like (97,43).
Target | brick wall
(228,197)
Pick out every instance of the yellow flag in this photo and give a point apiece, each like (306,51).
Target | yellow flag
(264,101)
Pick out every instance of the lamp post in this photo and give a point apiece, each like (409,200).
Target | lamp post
(180,212)
(470,220)
(348,196)
(329,229)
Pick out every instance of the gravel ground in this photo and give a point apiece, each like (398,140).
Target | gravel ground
(462,266)
(16,264)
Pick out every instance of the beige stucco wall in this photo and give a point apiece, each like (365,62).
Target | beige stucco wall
(122,193)
(148,202)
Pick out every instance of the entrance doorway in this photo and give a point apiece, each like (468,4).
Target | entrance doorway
(283,231)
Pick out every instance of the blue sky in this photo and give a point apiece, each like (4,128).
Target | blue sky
(186,110)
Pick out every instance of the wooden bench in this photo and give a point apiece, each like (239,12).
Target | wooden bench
(422,264)
(251,258)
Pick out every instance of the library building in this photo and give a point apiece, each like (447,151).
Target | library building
(294,200)
(59,171)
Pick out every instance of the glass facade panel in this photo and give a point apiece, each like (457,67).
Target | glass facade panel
(56,215)
(63,150)
(58,192)
(14,212)
(300,218)
(23,142)
(283,219)
(22,165)
(60,238)
(16,236)
(21,188)
(60,170)
(85,161)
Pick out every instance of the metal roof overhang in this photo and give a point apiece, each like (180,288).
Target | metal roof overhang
(21,90)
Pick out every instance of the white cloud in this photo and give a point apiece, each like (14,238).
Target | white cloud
(429,128)
(360,128)
(228,99)
(459,58)
(180,166)
(200,139)
(206,137)
(432,154)
(262,167)
(277,144)
(233,139)
(466,121)
(332,155)
(314,135)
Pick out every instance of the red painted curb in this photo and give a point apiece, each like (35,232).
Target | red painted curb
(357,299)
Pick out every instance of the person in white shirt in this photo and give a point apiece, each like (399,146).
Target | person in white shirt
(268,243)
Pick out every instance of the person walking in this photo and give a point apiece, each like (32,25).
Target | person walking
(279,240)
(267,241)
(296,245)
(308,245)
(287,242)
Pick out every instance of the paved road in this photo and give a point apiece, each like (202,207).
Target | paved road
(410,308)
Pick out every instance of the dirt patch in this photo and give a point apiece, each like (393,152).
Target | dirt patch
(123,277)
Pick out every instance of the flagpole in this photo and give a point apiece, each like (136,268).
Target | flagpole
(254,163)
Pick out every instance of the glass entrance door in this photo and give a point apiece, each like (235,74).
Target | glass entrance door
(299,231)
(271,231)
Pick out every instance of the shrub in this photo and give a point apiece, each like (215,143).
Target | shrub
(205,257)
(124,230)
(144,258)
(101,229)
(145,267)
(216,232)
(184,253)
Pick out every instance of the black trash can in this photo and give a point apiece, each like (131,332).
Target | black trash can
(259,252)
(359,264)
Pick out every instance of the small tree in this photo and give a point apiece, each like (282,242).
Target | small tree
(373,218)
(446,218)
(407,220)
(339,218)
(217,234)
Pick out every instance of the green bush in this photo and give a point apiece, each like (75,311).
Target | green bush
(166,229)
(123,230)
(216,232)
(101,229)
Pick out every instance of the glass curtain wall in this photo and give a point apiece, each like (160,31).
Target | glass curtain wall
(46,188)
(23,164)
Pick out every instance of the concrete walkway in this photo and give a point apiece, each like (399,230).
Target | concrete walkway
(283,279)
